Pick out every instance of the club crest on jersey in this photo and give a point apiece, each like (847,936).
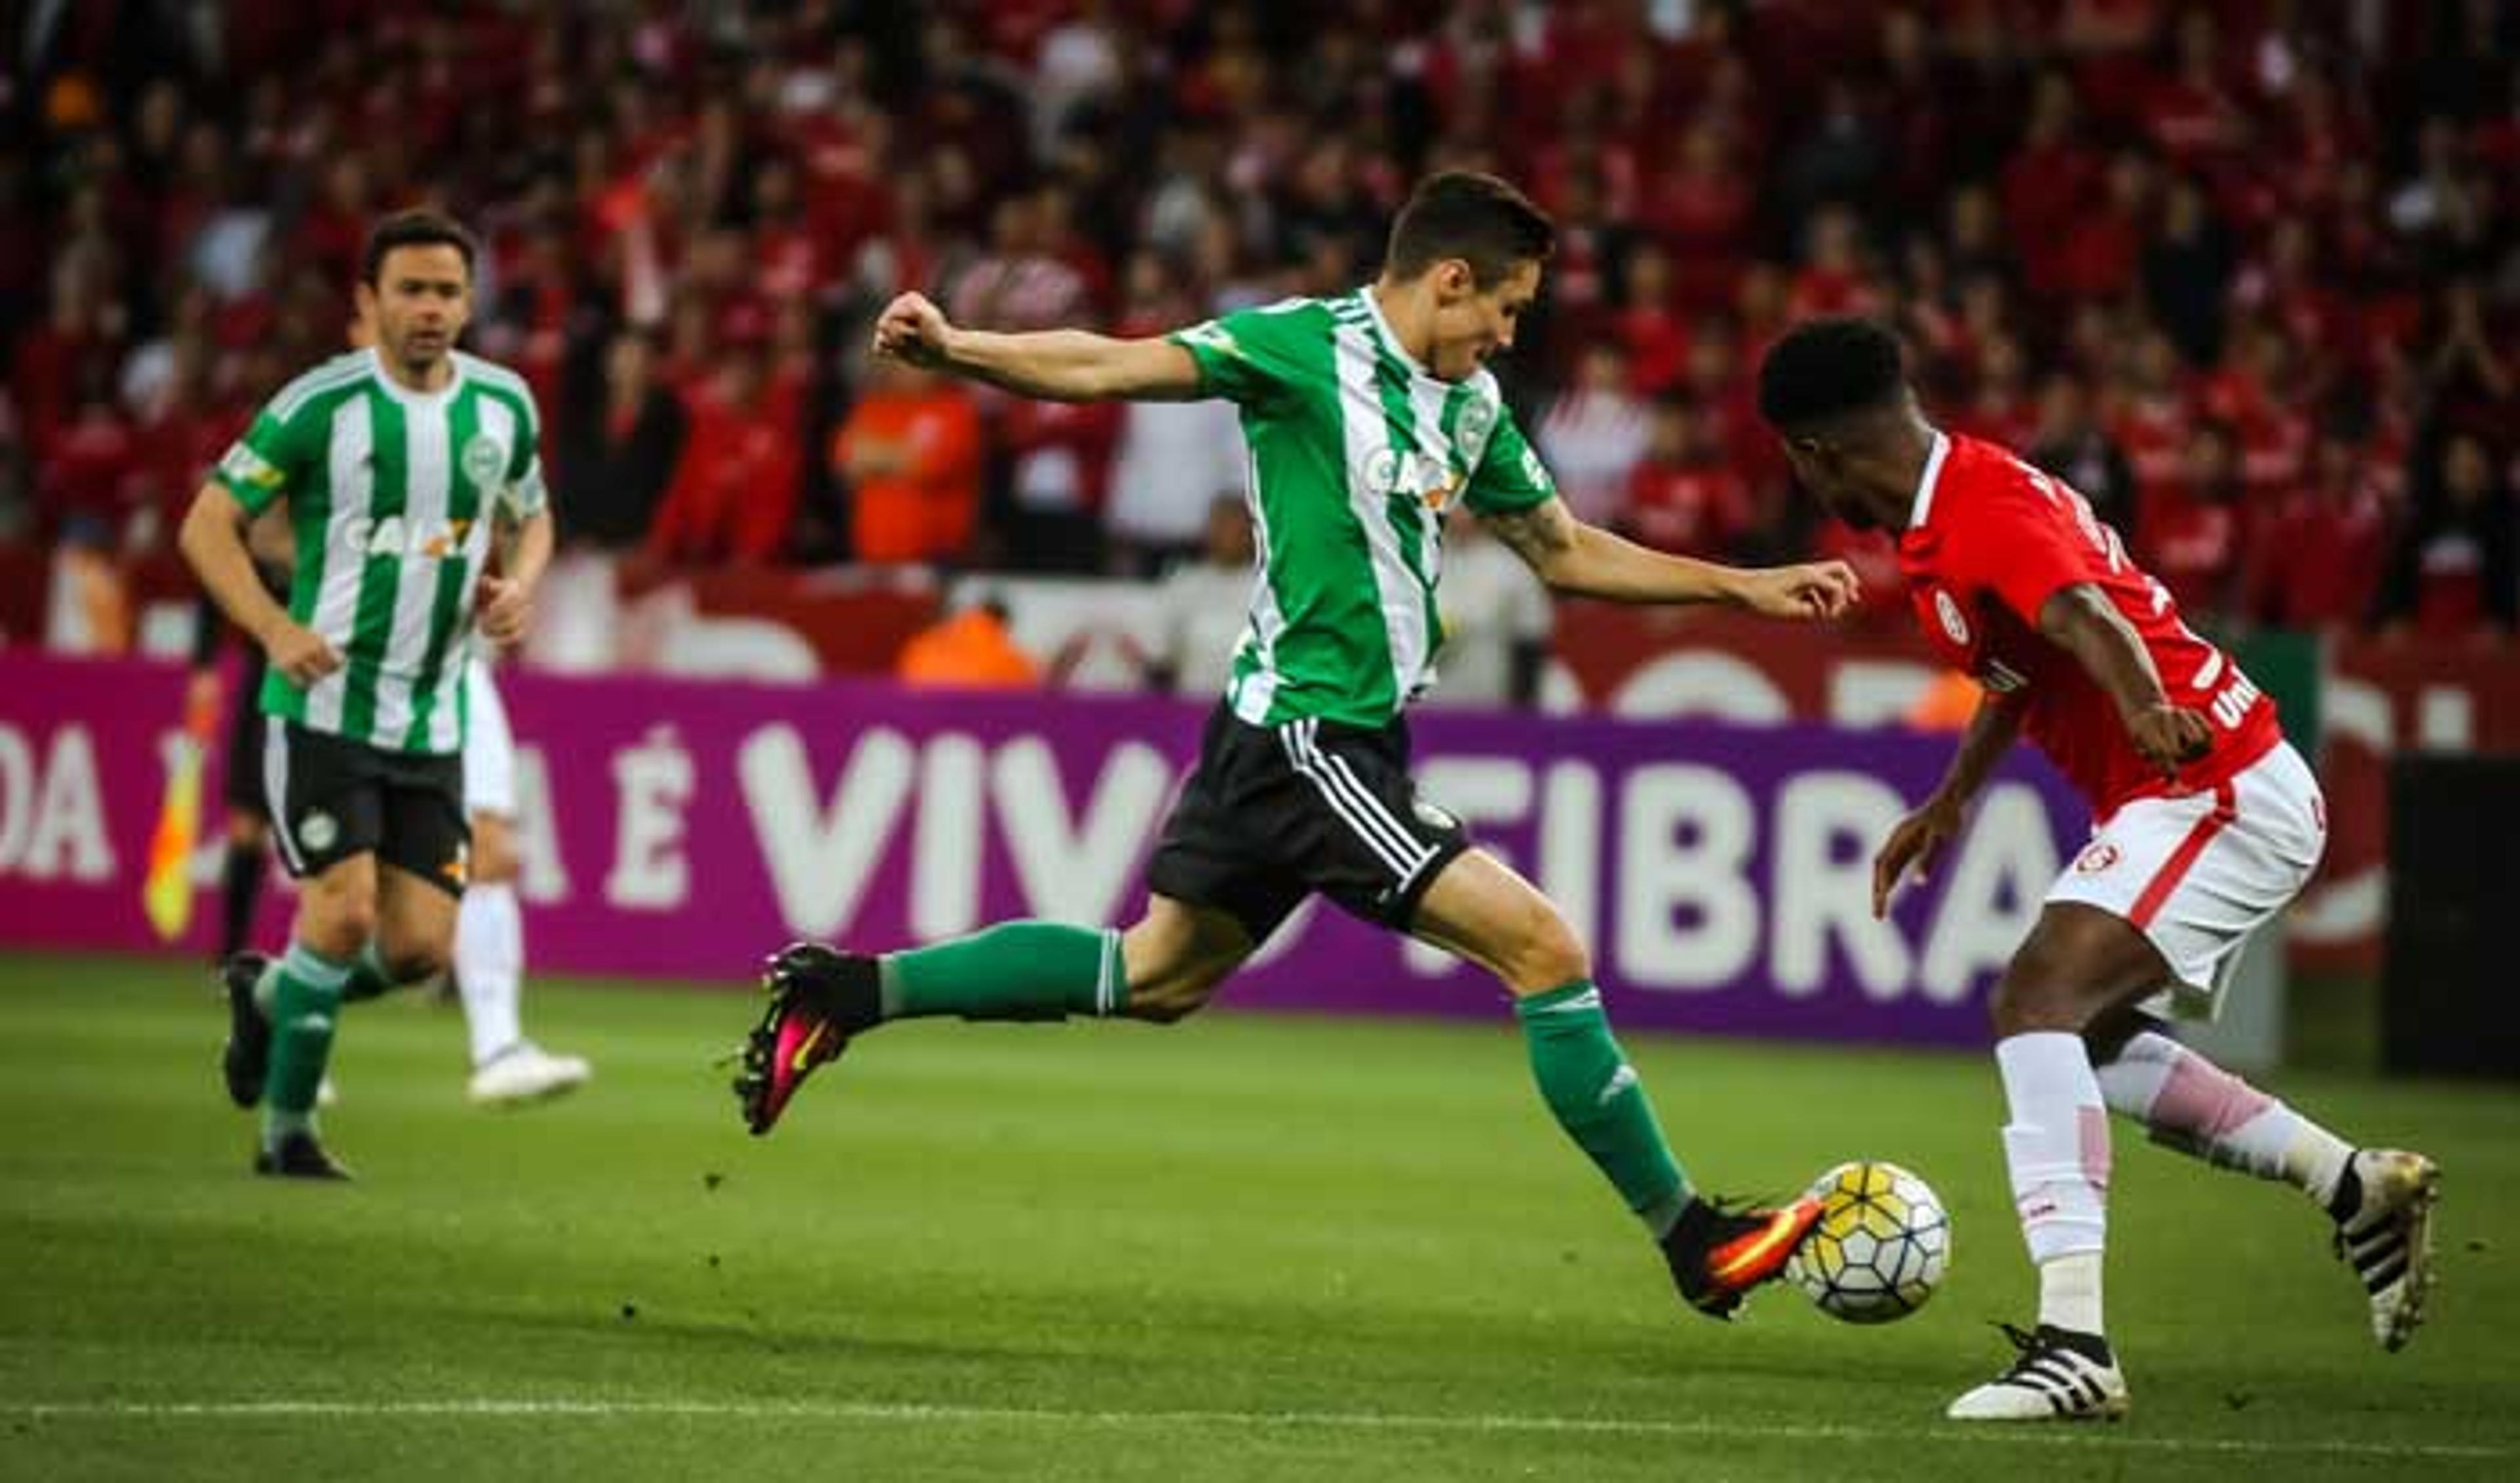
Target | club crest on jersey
(2095,857)
(484,459)
(1947,611)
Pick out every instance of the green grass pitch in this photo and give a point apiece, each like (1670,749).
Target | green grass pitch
(1248,1247)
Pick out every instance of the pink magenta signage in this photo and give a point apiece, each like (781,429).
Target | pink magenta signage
(682,829)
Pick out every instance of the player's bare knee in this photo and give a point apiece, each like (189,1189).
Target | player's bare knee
(2023,1007)
(338,934)
(338,927)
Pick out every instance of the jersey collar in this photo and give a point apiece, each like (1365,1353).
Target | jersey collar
(1390,342)
(407,396)
(1923,505)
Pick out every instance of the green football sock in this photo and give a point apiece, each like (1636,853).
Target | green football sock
(1014,970)
(306,999)
(1598,1099)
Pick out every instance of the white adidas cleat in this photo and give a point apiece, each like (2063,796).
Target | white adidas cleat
(525,1072)
(2059,1376)
(2388,1238)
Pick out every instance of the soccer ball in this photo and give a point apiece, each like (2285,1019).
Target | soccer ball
(1879,1248)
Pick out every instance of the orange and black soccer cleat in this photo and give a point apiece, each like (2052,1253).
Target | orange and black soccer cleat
(819,997)
(1718,1253)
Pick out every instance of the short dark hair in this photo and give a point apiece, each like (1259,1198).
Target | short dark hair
(1473,216)
(1826,369)
(419,227)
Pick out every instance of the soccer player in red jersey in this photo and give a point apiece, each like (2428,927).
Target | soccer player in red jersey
(2206,823)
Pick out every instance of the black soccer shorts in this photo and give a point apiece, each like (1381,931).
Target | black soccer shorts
(333,799)
(1273,814)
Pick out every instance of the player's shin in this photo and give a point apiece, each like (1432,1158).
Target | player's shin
(1594,1094)
(2188,1103)
(305,1002)
(2057,1146)
(1014,971)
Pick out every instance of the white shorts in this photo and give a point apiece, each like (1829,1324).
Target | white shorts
(489,747)
(2197,873)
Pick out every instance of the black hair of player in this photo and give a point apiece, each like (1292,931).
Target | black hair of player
(1473,216)
(419,227)
(1825,370)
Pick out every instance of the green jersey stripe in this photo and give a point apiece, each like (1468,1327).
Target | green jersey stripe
(1253,685)
(424,538)
(1367,427)
(446,577)
(1417,538)
(342,371)
(325,592)
(379,572)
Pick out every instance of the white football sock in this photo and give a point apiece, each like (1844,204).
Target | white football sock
(2057,1148)
(489,966)
(2190,1103)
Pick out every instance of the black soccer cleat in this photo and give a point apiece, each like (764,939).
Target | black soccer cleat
(2384,1230)
(298,1156)
(247,1059)
(1717,1253)
(819,997)
(2056,1375)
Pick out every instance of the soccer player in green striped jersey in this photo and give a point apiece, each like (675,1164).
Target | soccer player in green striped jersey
(396,464)
(1366,416)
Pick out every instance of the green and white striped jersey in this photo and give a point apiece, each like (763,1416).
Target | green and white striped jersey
(1356,455)
(392,494)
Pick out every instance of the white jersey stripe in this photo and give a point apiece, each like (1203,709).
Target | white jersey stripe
(1361,414)
(428,493)
(1252,693)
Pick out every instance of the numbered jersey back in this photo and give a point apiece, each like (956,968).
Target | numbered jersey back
(1990,540)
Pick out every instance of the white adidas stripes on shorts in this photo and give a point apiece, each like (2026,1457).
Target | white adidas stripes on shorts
(489,747)
(2198,873)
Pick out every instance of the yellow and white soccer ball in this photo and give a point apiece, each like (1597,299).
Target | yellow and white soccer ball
(1880,1247)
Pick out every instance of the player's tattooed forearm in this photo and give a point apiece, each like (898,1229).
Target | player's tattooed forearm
(1539,534)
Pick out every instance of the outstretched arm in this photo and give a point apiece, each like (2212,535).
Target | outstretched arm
(1585,561)
(1053,365)
(1919,840)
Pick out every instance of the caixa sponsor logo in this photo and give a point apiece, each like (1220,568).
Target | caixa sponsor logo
(1417,476)
(394,536)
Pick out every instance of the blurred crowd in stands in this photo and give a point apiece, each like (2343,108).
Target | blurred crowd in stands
(2246,272)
